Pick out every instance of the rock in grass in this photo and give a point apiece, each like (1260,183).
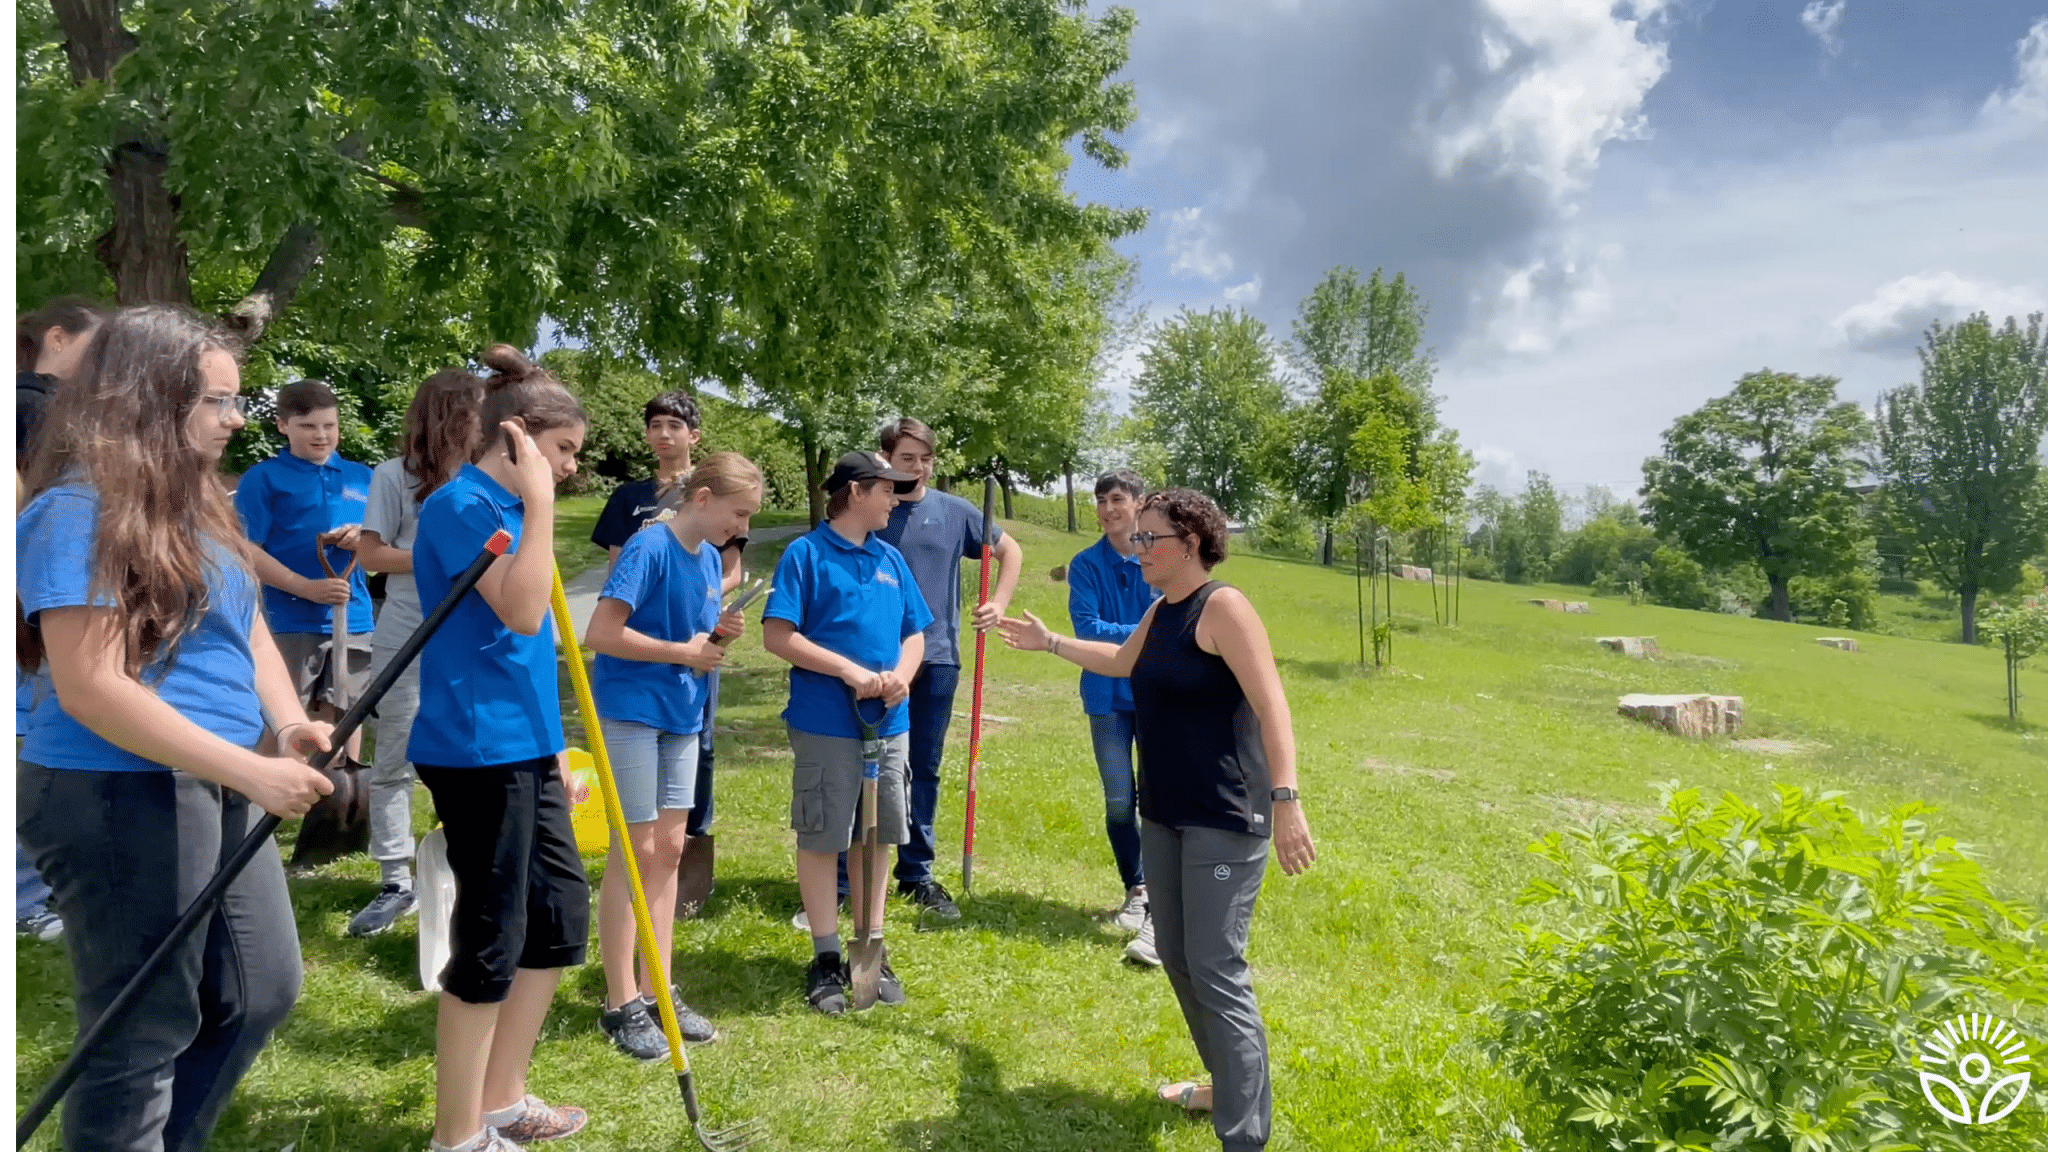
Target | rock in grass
(1411,572)
(1058,574)
(1576,607)
(1692,716)
(1842,642)
(1634,647)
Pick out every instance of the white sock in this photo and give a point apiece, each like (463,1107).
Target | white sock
(468,1145)
(507,1114)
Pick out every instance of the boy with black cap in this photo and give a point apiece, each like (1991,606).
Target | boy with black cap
(847,615)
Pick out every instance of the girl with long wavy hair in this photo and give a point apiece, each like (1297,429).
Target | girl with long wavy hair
(139,773)
(440,429)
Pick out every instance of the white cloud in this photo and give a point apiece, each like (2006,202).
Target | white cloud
(2025,104)
(1895,317)
(1542,303)
(1591,68)
(1822,18)
(1192,242)
(1245,294)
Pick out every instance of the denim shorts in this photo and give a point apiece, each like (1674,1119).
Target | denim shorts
(655,770)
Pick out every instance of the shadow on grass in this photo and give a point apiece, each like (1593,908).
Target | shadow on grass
(1999,721)
(1048,1117)
(1326,669)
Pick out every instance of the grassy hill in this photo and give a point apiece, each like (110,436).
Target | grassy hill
(1424,783)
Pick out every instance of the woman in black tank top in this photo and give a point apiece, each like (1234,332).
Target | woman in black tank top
(1216,785)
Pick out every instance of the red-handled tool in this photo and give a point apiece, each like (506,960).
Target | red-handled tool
(988,520)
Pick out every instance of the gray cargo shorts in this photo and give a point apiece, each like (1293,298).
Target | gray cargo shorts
(824,791)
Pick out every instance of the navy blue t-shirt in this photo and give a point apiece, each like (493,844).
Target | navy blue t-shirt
(212,682)
(860,602)
(935,534)
(488,696)
(672,595)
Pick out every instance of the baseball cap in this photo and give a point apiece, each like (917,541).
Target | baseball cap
(864,466)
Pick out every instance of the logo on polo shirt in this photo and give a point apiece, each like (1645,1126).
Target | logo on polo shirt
(644,509)
(888,579)
(355,493)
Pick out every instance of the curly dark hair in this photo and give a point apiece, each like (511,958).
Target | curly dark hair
(1195,514)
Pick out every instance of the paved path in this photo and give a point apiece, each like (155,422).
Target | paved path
(582,589)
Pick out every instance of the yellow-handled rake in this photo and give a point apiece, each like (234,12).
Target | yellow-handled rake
(745,1133)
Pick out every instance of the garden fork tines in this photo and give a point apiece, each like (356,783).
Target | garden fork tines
(735,1138)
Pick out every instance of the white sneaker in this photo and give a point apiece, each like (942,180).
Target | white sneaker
(1142,949)
(1130,915)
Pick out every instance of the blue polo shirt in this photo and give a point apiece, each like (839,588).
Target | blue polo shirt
(858,602)
(673,595)
(488,696)
(286,502)
(211,681)
(1106,597)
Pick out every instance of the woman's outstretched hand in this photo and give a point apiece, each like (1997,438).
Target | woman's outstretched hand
(1291,841)
(1027,635)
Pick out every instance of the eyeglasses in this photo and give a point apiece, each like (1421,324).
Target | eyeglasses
(224,406)
(1143,541)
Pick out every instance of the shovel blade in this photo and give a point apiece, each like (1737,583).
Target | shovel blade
(864,957)
(339,825)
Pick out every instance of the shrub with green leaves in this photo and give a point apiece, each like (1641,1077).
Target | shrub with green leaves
(1737,978)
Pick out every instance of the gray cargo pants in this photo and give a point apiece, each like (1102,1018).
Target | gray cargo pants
(1202,884)
(390,773)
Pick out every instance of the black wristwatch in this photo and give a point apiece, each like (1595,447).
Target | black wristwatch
(1280,794)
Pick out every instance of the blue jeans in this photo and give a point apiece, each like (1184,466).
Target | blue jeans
(931,713)
(700,813)
(30,893)
(1114,736)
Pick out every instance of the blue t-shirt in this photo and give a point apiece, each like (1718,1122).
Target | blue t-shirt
(212,680)
(286,502)
(935,534)
(1106,598)
(488,696)
(673,596)
(858,602)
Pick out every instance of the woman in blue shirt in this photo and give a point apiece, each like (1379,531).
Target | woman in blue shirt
(138,772)
(658,633)
(488,744)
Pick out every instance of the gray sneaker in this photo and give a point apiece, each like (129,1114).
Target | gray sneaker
(391,905)
(1142,950)
(1130,915)
(633,1031)
(43,925)
(695,1028)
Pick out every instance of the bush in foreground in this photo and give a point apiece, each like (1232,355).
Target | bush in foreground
(1760,980)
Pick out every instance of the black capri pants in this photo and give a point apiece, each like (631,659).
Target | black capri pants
(521,899)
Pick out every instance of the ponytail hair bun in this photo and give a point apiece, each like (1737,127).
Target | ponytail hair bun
(519,389)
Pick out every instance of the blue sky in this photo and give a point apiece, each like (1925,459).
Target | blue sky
(1614,209)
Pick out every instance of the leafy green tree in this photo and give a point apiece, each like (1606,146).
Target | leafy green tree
(1763,474)
(1961,454)
(1676,580)
(1207,396)
(1610,551)
(1347,333)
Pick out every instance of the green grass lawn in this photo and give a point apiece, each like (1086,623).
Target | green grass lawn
(1025,1030)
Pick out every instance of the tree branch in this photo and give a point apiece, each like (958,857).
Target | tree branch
(289,265)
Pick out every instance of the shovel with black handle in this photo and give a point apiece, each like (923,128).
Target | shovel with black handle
(202,906)
(339,825)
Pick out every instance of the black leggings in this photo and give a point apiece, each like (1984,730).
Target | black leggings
(125,853)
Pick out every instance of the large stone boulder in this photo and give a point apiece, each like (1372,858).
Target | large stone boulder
(1411,572)
(1692,716)
(1634,647)
(1842,642)
(1577,607)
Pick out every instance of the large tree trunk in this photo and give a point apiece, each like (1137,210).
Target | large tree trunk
(1073,525)
(1969,595)
(1009,509)
(1329,546)
(1781,598)
(814,478)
